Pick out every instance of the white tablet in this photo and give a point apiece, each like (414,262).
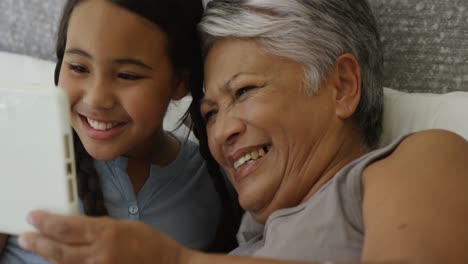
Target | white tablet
(37,168)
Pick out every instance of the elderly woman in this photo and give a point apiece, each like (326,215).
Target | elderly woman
(292,112)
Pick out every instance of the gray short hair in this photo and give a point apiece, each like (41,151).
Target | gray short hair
(314,33)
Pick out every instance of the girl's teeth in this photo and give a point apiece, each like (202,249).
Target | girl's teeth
(100,125)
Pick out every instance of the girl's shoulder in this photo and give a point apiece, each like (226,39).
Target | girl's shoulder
(189,152)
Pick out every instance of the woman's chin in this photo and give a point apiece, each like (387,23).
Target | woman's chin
(255,207)
(260,217)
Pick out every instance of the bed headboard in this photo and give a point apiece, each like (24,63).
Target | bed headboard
(425,41)
(425,44)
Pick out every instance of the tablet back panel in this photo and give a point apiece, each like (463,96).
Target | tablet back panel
(37,169)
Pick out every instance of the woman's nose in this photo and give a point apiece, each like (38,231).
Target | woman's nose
(99,94)
(227,129)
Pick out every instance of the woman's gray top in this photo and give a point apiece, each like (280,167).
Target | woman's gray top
(328,227)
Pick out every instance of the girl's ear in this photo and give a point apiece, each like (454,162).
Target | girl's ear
(181,88)
(345,80)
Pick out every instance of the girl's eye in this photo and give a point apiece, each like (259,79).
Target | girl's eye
(240,92)
(129,76)
(78,69)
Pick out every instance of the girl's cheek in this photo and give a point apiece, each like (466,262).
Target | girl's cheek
(68,87)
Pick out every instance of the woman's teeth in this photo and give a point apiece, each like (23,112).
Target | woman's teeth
(251,156)
(101,125)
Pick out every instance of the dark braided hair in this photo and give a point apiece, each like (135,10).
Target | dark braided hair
(185,53)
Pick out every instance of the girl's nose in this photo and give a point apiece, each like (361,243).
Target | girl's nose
(100,94)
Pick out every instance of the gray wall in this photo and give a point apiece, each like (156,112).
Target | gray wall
(29,26)
(425,41)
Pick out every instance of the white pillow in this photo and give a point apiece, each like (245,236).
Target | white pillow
(175,112)
(410,112)
(24,70)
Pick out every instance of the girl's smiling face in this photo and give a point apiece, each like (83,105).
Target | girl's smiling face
(119,78)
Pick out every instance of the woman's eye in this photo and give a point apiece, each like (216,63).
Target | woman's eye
(240,92)
(129,76)
(207,116)
(78,69)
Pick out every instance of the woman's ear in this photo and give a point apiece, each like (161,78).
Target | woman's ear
(346,85)
(181,88)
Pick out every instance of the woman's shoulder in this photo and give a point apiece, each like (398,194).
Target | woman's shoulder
(414,194)
(435,139)
(435,150)
(423,145)
(423,158)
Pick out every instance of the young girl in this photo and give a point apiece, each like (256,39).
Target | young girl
(121,62)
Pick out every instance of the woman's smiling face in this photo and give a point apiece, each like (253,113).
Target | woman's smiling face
(262,127)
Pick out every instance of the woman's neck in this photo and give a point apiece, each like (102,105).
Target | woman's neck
(350,148)
(336,148)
